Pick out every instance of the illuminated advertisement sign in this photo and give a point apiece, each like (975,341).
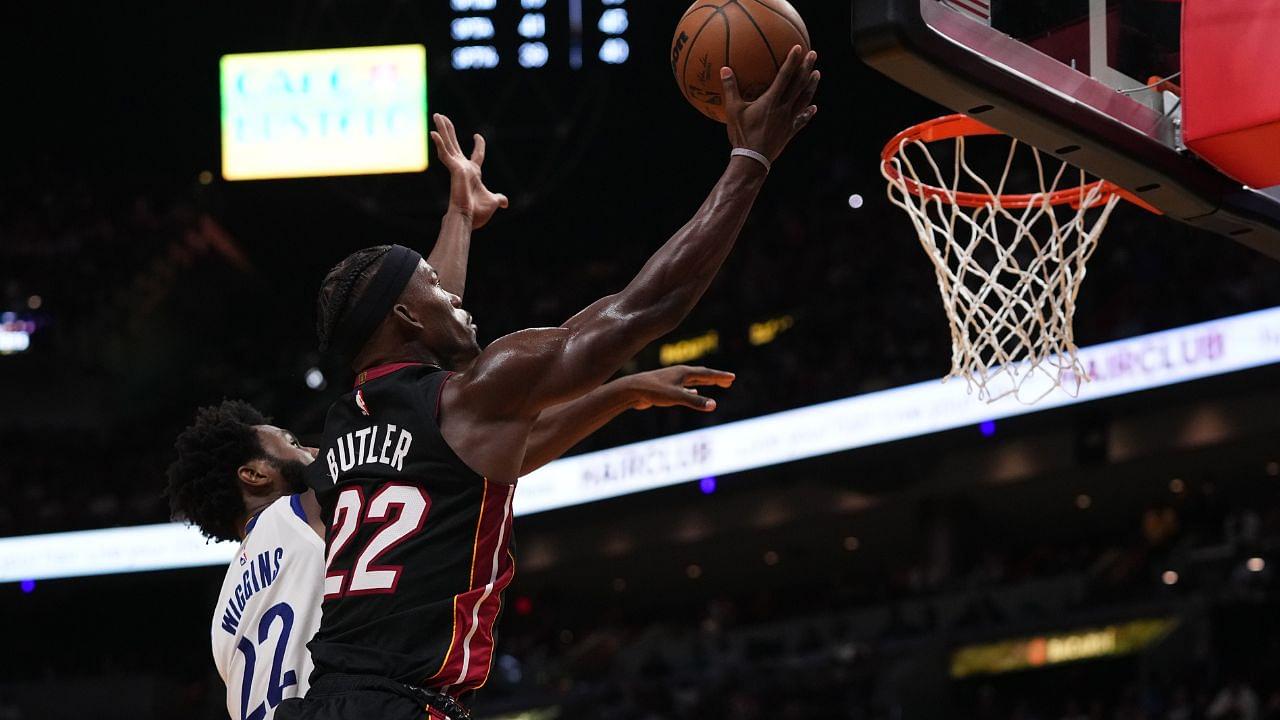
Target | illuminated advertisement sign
(1045,650)
(1115,368)
(1125,366)
(308,113)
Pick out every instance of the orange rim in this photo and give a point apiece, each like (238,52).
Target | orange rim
(949,127)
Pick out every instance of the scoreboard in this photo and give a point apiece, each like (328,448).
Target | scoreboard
(488,34)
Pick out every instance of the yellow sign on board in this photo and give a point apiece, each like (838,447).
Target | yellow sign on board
(348,111)
(684,351)
(1042,650)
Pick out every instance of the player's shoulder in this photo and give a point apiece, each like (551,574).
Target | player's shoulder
(504,360)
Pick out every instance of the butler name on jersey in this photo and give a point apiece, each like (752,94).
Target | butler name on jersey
(268,609)
(419,544)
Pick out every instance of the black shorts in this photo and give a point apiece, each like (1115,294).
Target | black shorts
(361,697)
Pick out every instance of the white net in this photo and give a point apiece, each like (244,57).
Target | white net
(1009,267)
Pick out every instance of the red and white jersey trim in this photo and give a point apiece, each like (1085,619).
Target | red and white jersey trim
(476,611)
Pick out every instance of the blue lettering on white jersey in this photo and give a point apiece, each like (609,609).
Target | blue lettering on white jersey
(268,610)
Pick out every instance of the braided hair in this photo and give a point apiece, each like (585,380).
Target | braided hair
(342,287)
(203,487)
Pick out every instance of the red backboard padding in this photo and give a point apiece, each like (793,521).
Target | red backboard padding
(1230,95)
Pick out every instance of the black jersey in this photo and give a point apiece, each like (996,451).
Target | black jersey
(418,548)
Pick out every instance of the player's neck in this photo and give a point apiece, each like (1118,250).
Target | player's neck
(374,356)
(252,506)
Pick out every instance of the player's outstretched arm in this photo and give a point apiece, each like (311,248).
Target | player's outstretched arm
(471,204)
(489,408)
(561,427)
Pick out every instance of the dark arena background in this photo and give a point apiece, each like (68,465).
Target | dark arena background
(1114,558)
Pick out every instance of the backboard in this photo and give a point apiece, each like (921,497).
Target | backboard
(1092,81)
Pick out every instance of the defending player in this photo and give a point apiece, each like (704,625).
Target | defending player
(421,462)
(239,478)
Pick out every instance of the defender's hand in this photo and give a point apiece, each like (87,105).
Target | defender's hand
(674,386)
(467,193)
(768,124)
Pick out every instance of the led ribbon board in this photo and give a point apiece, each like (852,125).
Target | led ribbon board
(308,113)
(1124,366)
(1046,650)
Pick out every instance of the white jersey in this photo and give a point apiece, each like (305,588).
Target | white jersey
(268,611)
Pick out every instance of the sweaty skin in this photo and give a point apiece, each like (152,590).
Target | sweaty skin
(490,406)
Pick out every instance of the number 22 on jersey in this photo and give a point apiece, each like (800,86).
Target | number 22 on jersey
(277,684)
(407,504)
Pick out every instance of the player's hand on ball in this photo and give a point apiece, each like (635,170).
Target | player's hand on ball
(768,124)
(467,193)
(675,386)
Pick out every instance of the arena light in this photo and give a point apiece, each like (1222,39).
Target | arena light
(533,55)
(14,341)
(15,333)
(1125,366)
(166,546)
(615,51)
(532,25)
(315,379)
(471,28)
(472,57)
(310,113)
(614,21)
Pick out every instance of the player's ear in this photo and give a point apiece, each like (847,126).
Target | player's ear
(405,314)
(253,475)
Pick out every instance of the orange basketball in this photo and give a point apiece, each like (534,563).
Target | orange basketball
(750,36)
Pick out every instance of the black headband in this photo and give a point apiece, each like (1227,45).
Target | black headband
(355,329)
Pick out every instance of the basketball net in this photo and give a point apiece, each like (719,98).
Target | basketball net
(1008,266)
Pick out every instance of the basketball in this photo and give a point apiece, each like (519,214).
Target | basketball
(750,36)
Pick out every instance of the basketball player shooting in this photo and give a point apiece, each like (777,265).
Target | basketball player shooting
(419,462)
(239,478)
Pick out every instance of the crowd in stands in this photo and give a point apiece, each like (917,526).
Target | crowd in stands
(874,645)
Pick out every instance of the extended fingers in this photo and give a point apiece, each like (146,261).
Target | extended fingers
(447,133)
(805,99)
(477,154)
(780,87)
(800,79)
(442,149)
(701,377)
(690,398)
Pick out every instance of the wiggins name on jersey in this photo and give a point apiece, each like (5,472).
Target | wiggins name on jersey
(268,609)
